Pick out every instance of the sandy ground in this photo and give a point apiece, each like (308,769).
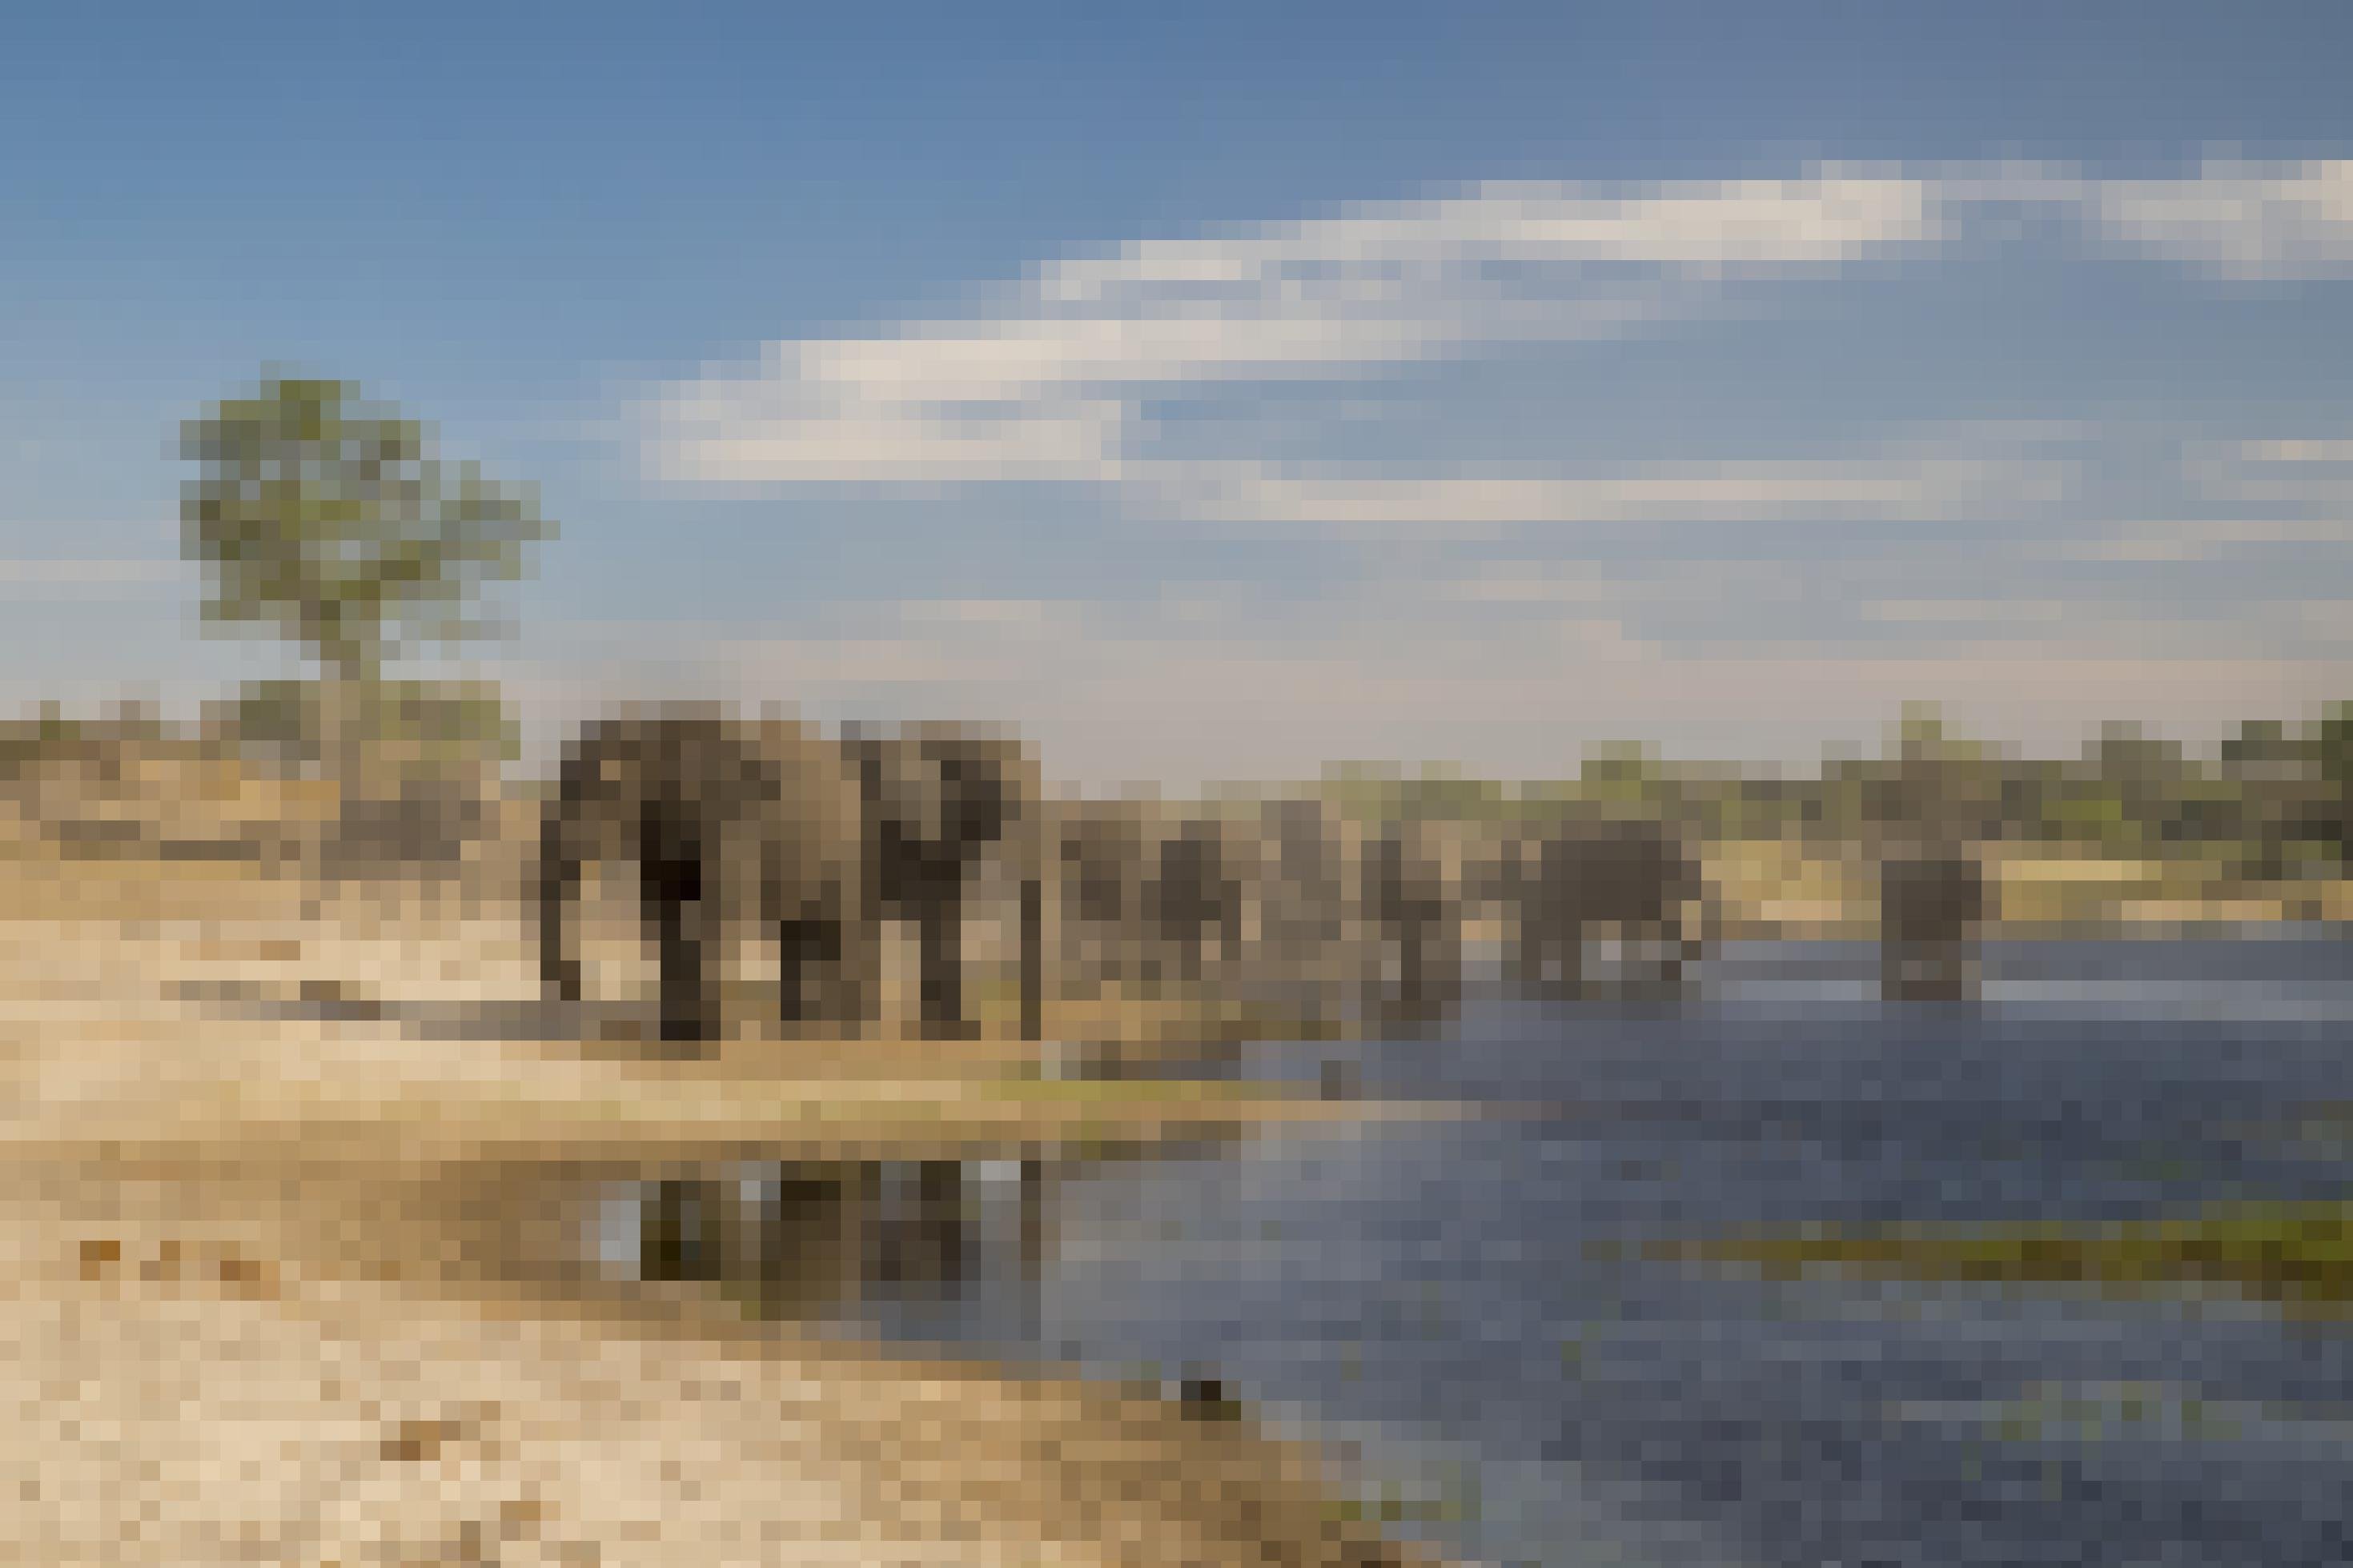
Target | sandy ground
(282,1181)
(213,1377)
(272,1296)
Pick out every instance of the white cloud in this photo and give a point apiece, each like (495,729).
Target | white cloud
(1966,612)
(1359,504)
(2278,222)
(2297,451)
(2311,480)
(1055,378)
(1536,583)
(1004,615)
(1048,384)
(2197,540)
(1047,380)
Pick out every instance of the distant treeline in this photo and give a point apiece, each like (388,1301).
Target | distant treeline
(2274,800)
(416,723)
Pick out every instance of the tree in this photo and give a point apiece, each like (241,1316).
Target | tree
(1937,782)
(2332,748)
(330,521)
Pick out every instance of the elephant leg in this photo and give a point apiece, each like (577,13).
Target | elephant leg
(803,949)
(560,973)
(1569,938)
(1413,964)
(939,960)
(558,890)
(857,969)
(1523,962)
(1032,939)
(687,980)
(1446,979)
(1891,970)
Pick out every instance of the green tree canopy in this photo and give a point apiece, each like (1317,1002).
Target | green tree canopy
(330,521)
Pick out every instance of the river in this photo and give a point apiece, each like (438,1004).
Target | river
(1444,1303)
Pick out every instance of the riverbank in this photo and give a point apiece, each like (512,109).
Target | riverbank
(1779,891)
(213,1375)
(273,1294)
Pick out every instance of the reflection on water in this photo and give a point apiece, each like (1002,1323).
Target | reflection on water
(893,1243)
(1467,1310)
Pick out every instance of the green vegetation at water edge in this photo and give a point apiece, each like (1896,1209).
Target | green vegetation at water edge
(2292,1254)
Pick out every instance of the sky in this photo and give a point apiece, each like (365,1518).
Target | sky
(1221,390)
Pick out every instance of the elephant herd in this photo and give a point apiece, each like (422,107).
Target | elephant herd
(737,828)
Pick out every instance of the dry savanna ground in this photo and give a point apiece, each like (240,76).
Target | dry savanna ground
(287,1177)
(280,1287)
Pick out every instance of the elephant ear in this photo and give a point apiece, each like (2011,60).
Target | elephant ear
(984,785)
(904,783)
(929,789)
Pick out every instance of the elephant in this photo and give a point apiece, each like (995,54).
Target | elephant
(1634,876)
(1105,853)
(733,826)
(1201,898)
(937,799)
(1302,899)
(1411,916)
(1933,902)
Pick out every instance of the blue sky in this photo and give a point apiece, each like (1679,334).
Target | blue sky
(1218,390)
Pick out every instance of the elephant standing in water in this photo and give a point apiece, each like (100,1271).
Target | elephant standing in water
(1630,876)
(937,799)
(1933,902)
(1409,906)
(733,826)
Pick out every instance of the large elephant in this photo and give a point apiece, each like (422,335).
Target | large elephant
(938,800)
(734,826)
(1933,902)
(1631,877)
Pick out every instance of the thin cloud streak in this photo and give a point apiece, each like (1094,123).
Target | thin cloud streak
(1049,382)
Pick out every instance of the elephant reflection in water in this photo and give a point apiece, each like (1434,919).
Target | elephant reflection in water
(797,1239)
(1633,879)
(1933,905)
(789,1239)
